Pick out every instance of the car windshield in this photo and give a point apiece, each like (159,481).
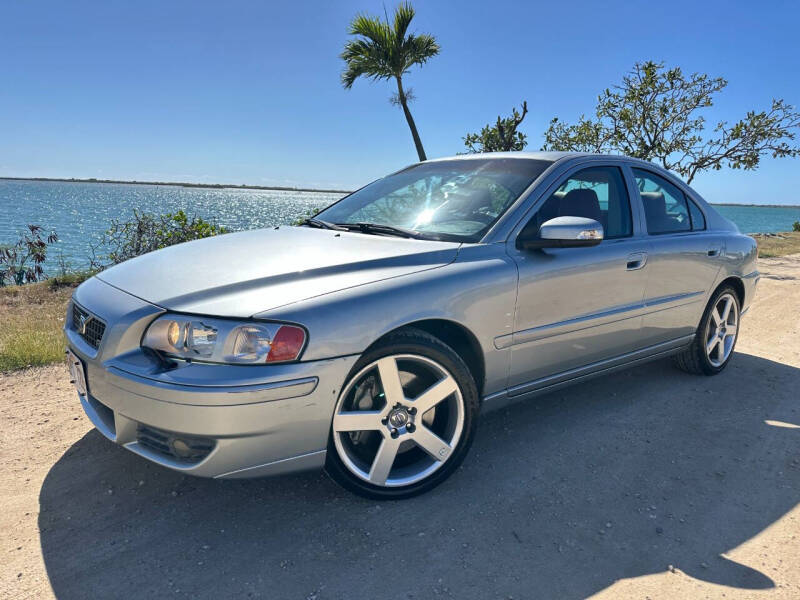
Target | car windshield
(456,200)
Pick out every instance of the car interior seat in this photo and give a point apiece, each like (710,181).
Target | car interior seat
(580,203)
(655,210)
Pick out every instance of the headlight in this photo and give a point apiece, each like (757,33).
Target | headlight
(223,341)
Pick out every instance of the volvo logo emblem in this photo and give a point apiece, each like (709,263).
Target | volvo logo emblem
(398,418)
(83,322)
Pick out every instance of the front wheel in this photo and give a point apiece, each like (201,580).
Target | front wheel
(405,418)
(716,336)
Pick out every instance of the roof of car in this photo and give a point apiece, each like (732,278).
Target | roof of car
(551,156)
(548,156)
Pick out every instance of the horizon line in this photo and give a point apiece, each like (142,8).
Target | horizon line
(188,184)
(243,186)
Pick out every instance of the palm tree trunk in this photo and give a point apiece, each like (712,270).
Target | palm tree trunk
(411,125)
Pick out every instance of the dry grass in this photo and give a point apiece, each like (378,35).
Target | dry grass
(779,244)
(31,318)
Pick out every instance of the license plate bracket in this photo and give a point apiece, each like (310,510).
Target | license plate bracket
(77,373)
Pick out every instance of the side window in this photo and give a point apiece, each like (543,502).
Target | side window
(664,204)
(698,219)
(597,193)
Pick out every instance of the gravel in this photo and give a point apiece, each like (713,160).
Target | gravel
(559,498)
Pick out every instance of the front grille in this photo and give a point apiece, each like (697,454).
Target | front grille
(89,327)
(179,447)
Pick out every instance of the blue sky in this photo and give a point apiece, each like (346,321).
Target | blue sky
(248,92)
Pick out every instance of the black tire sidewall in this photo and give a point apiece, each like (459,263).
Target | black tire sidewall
(412,341)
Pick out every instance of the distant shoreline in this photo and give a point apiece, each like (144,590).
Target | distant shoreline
(214,186)
(756,205)
(222,186)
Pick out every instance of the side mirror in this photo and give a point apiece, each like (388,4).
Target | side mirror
(563,232)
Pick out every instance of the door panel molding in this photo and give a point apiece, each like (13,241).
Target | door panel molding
(596,368)
(613,315)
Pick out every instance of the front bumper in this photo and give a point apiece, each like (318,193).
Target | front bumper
(236,421)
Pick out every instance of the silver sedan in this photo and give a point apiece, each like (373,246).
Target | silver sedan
(368,340)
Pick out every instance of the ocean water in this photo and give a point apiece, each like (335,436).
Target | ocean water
(80,212)
(760,219)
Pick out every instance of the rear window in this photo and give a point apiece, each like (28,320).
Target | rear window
(665,206)
(698,218)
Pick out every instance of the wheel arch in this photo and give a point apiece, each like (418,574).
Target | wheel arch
(737,284)
(458,337)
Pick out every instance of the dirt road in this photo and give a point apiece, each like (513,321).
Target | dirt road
(648,483)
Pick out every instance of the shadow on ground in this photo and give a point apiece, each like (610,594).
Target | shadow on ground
(560,496)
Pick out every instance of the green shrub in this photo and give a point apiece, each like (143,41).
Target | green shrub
(309,214)
(796,226)
(147,232)
(69,279)
(22,261)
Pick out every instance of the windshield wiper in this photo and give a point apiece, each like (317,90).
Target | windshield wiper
(379,228)
(320,224)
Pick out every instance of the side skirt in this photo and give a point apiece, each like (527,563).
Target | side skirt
(544,385)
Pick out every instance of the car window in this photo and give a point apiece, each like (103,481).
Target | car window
(597,193)
(664,204)
(698,219)
(441,199)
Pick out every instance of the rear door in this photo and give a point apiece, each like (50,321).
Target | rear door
(684,258)
(578,306)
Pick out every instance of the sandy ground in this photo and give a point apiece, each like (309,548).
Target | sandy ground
(647,484)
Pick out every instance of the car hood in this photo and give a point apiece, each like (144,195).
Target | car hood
(241,274)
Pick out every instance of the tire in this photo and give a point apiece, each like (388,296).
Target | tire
(421,423)
(713,345)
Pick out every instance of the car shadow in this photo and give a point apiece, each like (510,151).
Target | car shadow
(560,496)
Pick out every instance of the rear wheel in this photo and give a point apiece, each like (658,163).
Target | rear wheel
(405,418)
(716,336)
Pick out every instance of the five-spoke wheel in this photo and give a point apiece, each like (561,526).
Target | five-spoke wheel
(721,329)
(716,335)
(404,415)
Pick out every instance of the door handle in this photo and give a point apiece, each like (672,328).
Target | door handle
(713,252)
(636,261)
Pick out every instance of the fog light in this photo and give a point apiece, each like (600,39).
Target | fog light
(181,448)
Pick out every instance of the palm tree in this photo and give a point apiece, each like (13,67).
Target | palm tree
(384,51)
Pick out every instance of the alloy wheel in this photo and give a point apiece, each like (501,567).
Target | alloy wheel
(398,420)
(721,330)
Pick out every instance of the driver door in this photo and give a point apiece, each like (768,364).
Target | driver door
(579,306)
